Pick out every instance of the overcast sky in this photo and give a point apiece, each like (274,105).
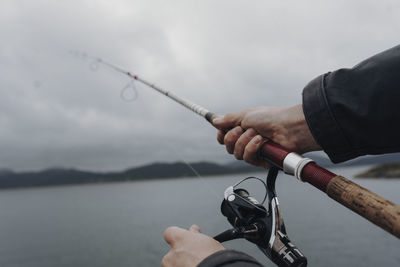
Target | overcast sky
(224,55)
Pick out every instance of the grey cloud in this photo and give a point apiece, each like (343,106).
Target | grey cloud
(225,55)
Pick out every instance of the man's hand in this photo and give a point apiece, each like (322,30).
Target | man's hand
(242,132)
(188,248)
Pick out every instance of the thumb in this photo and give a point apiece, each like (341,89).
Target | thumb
(227,121)
(218,121)
(173,234)
(194,229)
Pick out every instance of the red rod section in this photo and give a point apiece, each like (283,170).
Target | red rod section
(312,173)
(317,176)
(274,152)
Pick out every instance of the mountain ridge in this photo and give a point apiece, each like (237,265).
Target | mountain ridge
(64,176)
(157,170)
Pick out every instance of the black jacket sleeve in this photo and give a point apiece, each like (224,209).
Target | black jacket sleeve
(354,112)
(229,258)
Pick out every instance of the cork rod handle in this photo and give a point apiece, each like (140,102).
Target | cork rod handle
(369,205)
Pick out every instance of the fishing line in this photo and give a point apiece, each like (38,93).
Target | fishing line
(129,93)
(193,169)
(254,178)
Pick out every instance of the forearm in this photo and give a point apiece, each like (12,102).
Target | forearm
(353,112)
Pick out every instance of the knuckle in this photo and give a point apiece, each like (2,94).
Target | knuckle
(231,137)
(238,129)
(246,121)
(251,132)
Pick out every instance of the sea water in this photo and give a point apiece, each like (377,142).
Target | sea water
(121,224)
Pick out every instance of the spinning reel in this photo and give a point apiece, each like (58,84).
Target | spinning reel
(265,228)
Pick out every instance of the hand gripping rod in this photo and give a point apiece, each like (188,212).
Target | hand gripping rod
(367,204)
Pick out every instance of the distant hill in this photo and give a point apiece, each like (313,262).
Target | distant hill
(388,170)
(323,160)
(60,176)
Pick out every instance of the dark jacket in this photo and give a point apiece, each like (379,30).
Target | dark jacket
(351,112)
(355,112)
(229,258)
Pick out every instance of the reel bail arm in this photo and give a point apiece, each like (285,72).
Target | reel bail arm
(265,228)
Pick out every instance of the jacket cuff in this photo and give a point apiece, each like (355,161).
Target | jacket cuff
(321,121)
(227,257)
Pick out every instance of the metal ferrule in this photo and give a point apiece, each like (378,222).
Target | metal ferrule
(294,163)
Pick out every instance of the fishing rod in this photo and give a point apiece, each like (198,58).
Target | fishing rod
(369,205)
(184,102)
(381,212)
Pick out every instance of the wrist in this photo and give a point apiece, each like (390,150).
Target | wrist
(300,131)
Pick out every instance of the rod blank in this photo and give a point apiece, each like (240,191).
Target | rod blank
(367,204)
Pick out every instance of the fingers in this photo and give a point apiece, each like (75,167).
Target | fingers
(220,137)
(173,234)
(194,228)
(231,137)
(228,121)
(188,247)
(250,154)
(242,142)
